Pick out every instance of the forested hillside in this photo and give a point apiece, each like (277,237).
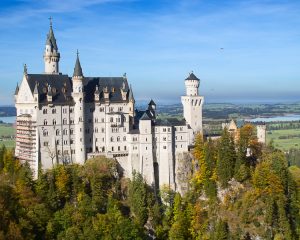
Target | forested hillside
(239,189)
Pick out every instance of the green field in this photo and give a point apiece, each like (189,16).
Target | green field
(284,139)
(7,133)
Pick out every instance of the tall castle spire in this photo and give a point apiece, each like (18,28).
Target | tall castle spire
(51,54)
(77,69)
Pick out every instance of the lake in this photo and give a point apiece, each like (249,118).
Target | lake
(8,119)
(293,117)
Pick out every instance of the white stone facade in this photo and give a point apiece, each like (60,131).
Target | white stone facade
(71,119)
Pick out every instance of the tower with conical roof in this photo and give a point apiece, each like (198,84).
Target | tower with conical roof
(192,103)
(78,95)
(51,54)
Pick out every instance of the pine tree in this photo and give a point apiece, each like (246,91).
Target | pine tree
(226,158)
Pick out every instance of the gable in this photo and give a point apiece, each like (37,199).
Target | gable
(24,94)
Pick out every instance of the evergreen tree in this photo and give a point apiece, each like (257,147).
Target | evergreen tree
(226,158)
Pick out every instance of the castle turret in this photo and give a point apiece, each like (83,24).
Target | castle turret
(51,54)
(78,96)
(192,103)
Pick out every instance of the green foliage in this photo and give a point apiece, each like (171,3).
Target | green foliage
(226,158)
(137,196)
(92,201)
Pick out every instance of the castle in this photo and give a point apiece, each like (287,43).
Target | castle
(62,119)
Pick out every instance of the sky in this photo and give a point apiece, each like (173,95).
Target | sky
(242,50)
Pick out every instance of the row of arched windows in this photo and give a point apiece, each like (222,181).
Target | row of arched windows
(118,139)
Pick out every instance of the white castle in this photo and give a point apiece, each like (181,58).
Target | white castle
(62,119)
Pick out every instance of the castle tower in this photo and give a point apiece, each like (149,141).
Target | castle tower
(51,54)
(192,103)
(78,96)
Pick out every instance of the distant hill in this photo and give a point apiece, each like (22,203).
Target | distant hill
(7,111)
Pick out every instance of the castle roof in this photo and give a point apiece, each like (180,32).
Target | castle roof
(192,76)
(77,69)
(51,39)
(61,87)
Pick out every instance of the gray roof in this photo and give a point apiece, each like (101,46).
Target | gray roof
(61,86)
(77,68)
(51,39)
(113,85)
(192,76)
(170,122)
(151,103)
(17,89)
(145,116)
(130,97)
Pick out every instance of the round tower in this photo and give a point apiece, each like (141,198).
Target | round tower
(192,104)
(192,85)
(79,116)
(51,54)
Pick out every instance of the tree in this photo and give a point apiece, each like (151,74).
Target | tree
(226,158)
(137,196)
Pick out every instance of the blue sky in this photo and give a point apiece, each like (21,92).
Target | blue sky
(157,43)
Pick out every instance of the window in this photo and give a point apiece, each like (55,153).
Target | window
(124,138)
(71,141)
(96,130)
(169,129)
(45,122)
(118,139)
(112,139)
(125,148)
(96,120)
(164,139)
(53,111)
(65,110)
(65,142)
(65,132)
(164,147)
(71,131)
(111,119)
(80,119)
(71,111)
(54,122)
(65,121)
(112,148)
(57,132)
(73,151)
(57,142)
(164,129)
(102,120)
(44,111)
(45,133)
(45,144)
(119,148)
(102,130)
(71,121)
(101,109)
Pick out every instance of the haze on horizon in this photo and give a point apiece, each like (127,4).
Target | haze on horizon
(245,50)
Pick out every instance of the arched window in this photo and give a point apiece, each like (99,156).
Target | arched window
(118,139)
(124,138)
(45,133)
(54,122)
(65,132)
(45,122)
(57,132)
(112,139)
(96,130)
(53,111)
(64,121)
(44,111)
